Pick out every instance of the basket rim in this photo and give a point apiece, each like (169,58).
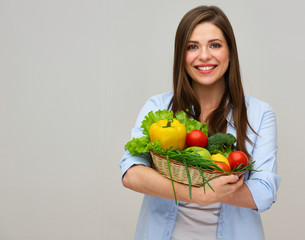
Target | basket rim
(189,166)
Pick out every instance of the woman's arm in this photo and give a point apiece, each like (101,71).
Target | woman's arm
(146,180)
(259,189)
(264,182)
(242,198)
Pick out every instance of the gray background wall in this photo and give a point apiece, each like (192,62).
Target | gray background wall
(74,75)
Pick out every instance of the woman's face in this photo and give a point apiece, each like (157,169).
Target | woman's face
(207,55)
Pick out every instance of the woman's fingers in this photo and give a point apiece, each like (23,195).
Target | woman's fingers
(232,179)
(224,189)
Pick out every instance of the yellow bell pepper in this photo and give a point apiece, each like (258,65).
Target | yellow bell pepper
(170,133)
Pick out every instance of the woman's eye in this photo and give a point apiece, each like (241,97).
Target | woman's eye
(215,45)
(192,47)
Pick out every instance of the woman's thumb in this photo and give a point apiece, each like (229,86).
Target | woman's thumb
(232,178)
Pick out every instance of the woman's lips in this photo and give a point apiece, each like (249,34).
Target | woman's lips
(205,68)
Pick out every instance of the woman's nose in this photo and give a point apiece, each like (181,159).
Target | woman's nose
(204,54)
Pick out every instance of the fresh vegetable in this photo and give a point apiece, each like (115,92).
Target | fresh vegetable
(221,161)
(159,125)
(191,157)
(201,151)
(153,117)
(221,143)
(196,138)
(238,159)
(191,124)
(170,133)
(138,146)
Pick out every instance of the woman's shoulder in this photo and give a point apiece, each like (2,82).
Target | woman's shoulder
(161,100)
(255,103)
(163,96)
(257,109)
(157,102)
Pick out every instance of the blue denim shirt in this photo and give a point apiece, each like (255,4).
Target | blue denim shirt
(157,216)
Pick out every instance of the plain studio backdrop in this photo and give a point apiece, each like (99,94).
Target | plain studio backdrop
(74,75)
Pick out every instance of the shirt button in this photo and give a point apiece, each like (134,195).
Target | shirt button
(220,236)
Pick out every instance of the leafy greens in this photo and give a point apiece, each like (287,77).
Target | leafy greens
(143,145)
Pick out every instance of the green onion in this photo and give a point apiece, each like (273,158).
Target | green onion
(189,178)
(170,173)
(204,179)
(248,167)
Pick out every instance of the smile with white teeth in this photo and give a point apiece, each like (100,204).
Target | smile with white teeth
(206,68)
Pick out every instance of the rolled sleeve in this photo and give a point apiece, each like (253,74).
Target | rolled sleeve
(263,188)
(264,183)
(128,161)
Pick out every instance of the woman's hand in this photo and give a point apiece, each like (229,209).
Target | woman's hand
(224,187)
(227,189)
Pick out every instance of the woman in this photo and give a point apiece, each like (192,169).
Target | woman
(207,80)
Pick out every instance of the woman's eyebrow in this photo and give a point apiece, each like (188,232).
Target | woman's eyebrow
(192,41)
(216,39)
(211,40)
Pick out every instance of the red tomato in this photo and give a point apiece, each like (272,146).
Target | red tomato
(196,138)
(236,158)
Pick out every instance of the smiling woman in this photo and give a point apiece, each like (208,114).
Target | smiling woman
(207,57)
(207,86)
(206,61)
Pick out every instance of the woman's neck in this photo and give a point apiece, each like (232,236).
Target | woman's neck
(209,97)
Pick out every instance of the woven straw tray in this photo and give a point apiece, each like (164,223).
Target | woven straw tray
(160,164)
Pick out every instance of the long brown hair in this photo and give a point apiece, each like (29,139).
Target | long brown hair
(184,97)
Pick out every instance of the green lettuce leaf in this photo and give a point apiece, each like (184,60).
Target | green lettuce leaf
(138,145)
(191,124)
(153,117)
(155,146)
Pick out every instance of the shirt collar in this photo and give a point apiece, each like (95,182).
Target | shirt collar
(230,117)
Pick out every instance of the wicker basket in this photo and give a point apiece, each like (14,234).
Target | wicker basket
(179,174)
